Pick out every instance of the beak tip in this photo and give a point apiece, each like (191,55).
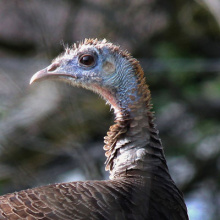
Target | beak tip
(37,76)
(31,81)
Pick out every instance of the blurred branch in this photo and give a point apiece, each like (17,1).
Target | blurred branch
(205,108)
(181,65)
(17,47)
(214,8)
(200,174)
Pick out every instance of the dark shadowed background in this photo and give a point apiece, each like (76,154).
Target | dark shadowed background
(51,132)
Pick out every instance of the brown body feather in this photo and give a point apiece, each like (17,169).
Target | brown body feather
(125,198)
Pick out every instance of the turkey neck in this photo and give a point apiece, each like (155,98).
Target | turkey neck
(132,144)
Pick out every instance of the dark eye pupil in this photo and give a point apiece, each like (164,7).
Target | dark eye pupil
(87,60)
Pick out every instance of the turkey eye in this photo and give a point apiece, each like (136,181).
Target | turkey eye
(87,60)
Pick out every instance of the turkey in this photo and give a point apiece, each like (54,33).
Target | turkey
(140,186)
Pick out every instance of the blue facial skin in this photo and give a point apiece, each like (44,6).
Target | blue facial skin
(111,74)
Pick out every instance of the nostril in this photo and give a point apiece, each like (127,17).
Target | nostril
(53,67)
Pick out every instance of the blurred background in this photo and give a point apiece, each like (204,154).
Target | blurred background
(51,132)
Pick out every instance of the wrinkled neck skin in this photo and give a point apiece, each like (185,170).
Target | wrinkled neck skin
(132,144)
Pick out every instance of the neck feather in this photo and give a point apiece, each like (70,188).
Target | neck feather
(133,137)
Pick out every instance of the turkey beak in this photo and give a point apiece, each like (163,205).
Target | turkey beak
(51,71)
(39,75)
